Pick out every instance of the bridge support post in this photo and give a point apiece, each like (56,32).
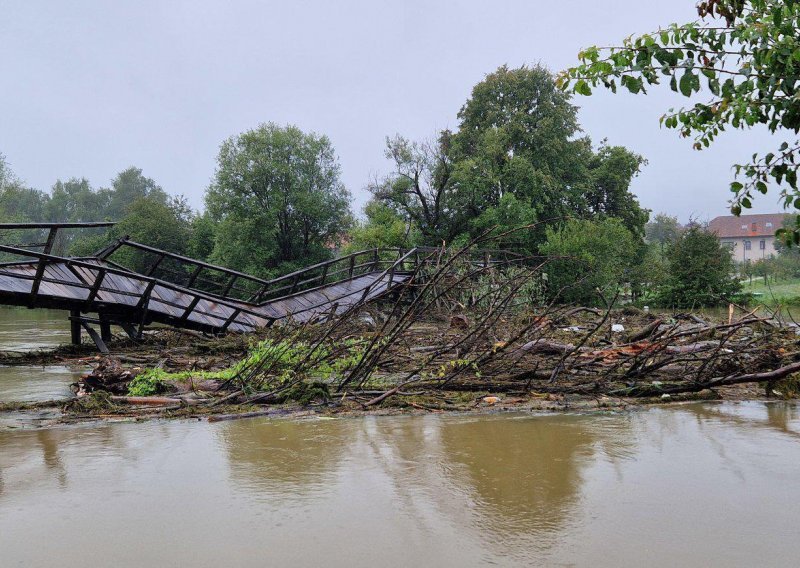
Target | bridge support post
(75,326)
(105,330)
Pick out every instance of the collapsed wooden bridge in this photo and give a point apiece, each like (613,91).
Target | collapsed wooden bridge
(186,293)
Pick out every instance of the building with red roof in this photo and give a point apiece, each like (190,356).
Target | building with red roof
(750,237)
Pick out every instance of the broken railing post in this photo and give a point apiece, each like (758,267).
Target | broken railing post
(42,264)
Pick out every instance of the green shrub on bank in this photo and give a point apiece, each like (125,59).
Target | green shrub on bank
(701,272)
(286,360)
(586,257)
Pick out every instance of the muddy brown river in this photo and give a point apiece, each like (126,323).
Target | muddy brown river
(695,485)
(23,330)
(700,485)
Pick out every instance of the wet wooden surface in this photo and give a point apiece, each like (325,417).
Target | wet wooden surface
(76,287)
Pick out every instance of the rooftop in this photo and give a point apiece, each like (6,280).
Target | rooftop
(764,225)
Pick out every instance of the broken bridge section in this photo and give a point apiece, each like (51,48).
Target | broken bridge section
(186,293)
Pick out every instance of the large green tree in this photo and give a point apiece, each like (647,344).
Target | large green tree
(419,187)
(383,228)
(746,55)
(129,186)
(18,202)
(516,159)
(278,199)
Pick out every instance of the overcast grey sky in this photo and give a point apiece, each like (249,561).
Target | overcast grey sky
(88,88)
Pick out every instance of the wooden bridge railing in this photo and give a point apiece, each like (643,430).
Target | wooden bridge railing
(226,283)
(50,236)
(95,286)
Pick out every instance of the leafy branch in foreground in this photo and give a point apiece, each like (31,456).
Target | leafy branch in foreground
(747,54)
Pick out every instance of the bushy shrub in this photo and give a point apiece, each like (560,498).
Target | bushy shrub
(587,259)
(701,272)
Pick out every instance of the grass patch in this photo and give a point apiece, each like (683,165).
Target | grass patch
(780,292)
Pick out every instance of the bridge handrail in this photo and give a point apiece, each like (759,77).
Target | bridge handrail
(303,279)
(49,258)
(365,291)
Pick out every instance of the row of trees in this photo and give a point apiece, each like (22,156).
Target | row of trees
(276,201)
(592,261)
(516,159)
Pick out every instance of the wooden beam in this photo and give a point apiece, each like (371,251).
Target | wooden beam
(75,327)
(154,266)
(40,267)
(194,275)
(229,285)
(230,319)
(189,309)
(142,306)
(98,281)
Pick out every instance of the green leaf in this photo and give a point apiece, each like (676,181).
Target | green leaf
(583,88)
(687,83)
(736,187)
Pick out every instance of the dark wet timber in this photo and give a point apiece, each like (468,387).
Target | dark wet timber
(187,293)
(190,294)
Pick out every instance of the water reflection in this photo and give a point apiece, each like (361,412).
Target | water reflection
(31,383)
(525,475)
(284,458)
(497,479)
(661,488)
(22,329)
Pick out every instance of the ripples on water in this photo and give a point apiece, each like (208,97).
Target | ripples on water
(691,486)
(24,330)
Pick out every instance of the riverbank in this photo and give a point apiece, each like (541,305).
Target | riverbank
(574,359)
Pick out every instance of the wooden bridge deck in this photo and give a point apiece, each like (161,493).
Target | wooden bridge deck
(92,285)
(188,293)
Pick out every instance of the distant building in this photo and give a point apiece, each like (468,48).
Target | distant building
(750,237)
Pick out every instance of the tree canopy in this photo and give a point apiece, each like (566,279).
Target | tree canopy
(516,159)
(278,200)
(745,54)
(588,260)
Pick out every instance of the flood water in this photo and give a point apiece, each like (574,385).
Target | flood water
(23,330)
(700,485)
(28,330)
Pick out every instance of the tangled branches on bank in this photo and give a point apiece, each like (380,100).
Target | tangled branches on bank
(470,322)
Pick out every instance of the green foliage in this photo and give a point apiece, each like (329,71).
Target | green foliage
(588,259)
(663,230)
(278,200)
(202,235)
(746,54)
(149,382)
(701,272)
(287,361)
(382,228)
(516,160)
(154,223)
(129,187)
